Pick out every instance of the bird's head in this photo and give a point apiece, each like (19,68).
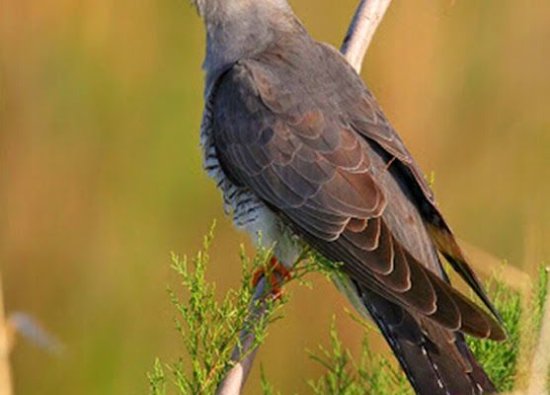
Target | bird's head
(239,28)
(216,11)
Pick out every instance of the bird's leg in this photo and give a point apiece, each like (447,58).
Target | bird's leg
(277,274)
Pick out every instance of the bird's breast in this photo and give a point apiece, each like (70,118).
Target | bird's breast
(249,213)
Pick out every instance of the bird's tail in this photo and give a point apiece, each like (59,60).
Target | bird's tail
(435,360)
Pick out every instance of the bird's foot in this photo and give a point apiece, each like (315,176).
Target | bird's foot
(276,273)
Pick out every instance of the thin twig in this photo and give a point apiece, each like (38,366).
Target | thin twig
(5,371)
(366,19)
(540,367)
(233,382)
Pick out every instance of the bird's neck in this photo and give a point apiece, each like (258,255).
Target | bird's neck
(237,29)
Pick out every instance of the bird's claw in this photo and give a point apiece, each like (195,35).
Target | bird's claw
(277,274)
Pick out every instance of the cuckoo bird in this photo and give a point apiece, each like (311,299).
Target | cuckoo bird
(304,156)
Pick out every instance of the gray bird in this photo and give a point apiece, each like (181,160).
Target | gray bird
(304,156)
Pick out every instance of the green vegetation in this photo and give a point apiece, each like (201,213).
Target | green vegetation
(210,330)
(371,374)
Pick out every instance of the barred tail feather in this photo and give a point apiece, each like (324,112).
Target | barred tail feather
(435,360)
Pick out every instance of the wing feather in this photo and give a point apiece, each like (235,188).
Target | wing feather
(368,120)
(313,163)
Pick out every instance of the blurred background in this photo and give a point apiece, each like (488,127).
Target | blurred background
(100,169)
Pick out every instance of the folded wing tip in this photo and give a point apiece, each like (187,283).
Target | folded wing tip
(498,333)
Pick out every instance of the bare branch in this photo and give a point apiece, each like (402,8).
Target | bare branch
(233,382)
(366,19)
(5,371)
(541,361)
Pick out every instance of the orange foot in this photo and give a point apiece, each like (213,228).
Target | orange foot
(277,274)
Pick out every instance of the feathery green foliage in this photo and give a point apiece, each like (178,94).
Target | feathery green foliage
(500,359)
(371,374)
(210,330)
(540,296)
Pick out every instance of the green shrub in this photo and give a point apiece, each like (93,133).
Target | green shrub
(211,329)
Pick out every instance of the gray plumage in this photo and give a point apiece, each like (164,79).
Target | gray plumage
(303,153)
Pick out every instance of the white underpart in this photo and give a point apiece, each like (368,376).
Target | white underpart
(249,213)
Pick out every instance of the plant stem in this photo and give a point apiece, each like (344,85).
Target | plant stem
(5,371)
(541,362)
(233,382)
(367,17)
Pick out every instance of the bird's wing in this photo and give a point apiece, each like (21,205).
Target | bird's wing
(368,119)
(297,150)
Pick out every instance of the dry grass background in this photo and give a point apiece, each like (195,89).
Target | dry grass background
(100,174)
